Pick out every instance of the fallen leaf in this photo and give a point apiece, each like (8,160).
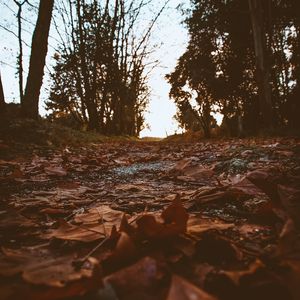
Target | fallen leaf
(125,248)
(248,229)
(290,200)
(198,225)
(125,226)
(176,214)
(142,276)
(285,153)
(55,171)
(245,188)
(292,277)
(100,214)
(175,219)
(289,242)
(148,227)
(266,180)
(181,289)
(188,170)
(40,267)
(53,211)
(181,165)
(235,276)
(83,233)
(58,272)
(12,220)
(214,195)
(13,261)
(216,249)
(130,188)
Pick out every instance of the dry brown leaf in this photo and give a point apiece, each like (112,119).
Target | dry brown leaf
(235,276)
(292,277)
(205,190)
(181,165)
(175,219)
(285,153)
(141,276)
(216,249)
(186,170)
(148,227)
(16,173)
(248,229)
(58,272)
(290,200)
(95,224)
(289,242)
(130,188)
(215,196)
(266,180)
(245,188)
(83,233)
(100,214)
(198,173)
(53,211)
(14,220)
(125,226)
(175,213)
(55,171)
(13,261)
(198,225)
(40,267)
(125,248)
(181,289)
(68,185)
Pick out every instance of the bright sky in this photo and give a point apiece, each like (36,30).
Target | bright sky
(168,30)
(174,37)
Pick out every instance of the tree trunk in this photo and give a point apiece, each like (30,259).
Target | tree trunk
(20,56)
(205,118)
(39,47)
(262,72)
(2,100)
(89,102)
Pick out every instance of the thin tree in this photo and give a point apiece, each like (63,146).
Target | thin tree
(20,56)
(2,99)
(90,104)
(39,48)
(262,71)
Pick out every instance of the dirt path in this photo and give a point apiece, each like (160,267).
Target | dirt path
(61,207)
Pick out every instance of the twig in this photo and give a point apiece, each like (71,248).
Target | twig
(79,262)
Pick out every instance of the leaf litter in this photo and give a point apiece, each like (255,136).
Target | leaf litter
(207,220)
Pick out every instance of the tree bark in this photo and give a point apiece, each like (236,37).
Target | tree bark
(39,47)
(20,56)
(2,99)
(90,103)
(262,71)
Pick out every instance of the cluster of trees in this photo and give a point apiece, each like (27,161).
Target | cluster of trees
(243,60)
(99,80)
(29,98)
(100,76)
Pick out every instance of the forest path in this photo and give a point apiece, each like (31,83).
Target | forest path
(54,199)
